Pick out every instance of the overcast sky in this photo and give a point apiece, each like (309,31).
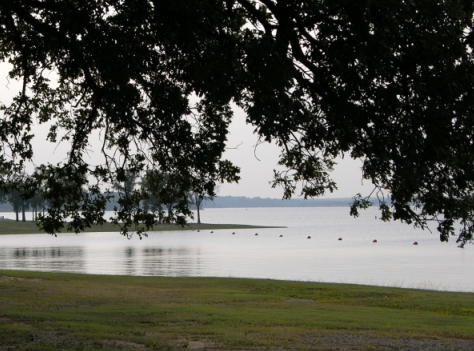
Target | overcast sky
(256,165)
(257,169)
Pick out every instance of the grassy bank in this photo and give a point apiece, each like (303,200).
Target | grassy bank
(41,311)
(12,227)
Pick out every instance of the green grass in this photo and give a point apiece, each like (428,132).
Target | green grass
(40,311)
(12,227)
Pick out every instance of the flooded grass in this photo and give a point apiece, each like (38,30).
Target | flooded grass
(42,311)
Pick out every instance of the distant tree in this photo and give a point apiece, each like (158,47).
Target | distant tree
(25,205)
(163,190)
(67,197)
(3,190)
(15,200)
(151,186)
(36,204)
(129,210)
(19,200)
(3,197)
(127,183)
(197,198)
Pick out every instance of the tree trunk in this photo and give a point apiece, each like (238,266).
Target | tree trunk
(198,202)
(16,213)
(23,217)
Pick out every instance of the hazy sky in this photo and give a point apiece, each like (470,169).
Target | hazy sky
(256,164)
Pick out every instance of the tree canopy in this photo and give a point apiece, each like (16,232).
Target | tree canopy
(386,81)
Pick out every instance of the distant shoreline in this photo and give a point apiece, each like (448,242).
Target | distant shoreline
(11,227)
(247,202)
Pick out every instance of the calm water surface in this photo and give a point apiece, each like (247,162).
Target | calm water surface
(392,261)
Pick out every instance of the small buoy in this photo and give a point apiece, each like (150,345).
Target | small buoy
(281,236)
(233,233)
(212,231)
(308,237)
(374,241)
(339,239)
(415,243)
(256,233)
(198,230)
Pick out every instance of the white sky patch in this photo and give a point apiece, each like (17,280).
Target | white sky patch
(257,166)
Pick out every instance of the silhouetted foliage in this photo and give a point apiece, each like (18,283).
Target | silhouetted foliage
(386,81)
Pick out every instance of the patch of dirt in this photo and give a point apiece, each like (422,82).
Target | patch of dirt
(195,344)
(299,300)
(54,340)
(49,340)
(6,279)
(120,345)
(366,341)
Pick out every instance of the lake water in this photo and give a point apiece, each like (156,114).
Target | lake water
(392,261)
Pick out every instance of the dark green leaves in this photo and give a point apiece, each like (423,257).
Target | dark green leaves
(389,82)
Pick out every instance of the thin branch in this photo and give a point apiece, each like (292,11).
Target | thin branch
(256,145)
(234,148)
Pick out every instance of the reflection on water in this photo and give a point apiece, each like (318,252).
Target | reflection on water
(130,261)
(43,259)
(393,261)
(179,261)
(157,261)
(49,252)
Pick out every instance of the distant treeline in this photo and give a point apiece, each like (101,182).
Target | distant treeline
(241,201)
(6,207)
(246,202)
